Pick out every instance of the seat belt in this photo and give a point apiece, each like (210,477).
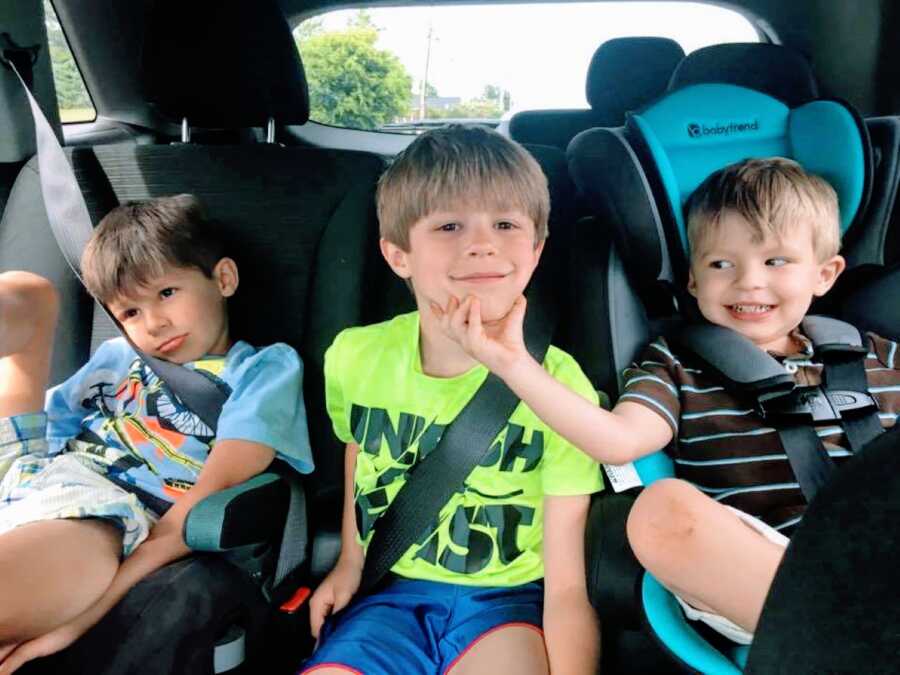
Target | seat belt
(72,228)
(464,444)
(842,398)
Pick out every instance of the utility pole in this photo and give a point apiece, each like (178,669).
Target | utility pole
(424,85)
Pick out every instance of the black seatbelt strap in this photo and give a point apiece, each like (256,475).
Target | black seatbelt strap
(71,226)
(463,445)
(842,350)
(846,384)
(809,460)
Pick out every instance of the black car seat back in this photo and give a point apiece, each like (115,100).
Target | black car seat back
(624,73)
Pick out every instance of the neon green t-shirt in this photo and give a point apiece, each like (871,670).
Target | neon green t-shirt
(489,534)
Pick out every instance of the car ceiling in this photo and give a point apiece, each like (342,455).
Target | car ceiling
(849,44)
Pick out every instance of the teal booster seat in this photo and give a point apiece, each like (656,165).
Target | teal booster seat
(636,180)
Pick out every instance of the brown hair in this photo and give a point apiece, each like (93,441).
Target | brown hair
(135,242)
(460,165)
(772,195)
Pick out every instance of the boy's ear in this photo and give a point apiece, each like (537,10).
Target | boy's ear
(225,274)
(396,258)
(829,271)
(692,283)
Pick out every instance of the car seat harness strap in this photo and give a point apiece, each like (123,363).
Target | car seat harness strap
(842,398)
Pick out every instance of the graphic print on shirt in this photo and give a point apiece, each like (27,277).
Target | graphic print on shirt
(474,534)
(139,426)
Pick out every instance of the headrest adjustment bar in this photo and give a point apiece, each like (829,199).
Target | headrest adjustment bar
(185,130)
(270,130)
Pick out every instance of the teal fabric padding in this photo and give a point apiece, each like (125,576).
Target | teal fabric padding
(696,130)
(667,620)
(204,522)
(825,140)
(739,655)
(654,466)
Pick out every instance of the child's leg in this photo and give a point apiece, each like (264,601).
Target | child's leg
(51,571)
(510,649)
(702,551)
(28,308)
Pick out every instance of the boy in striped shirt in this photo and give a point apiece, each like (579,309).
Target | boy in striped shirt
(764,239)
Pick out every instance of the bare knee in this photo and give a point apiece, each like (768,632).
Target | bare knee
(510,649)
(25,295)
(663,522)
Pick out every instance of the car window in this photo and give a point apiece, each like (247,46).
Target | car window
(404,69)
(71,95)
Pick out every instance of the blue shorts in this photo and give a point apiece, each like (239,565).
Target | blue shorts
(420,626)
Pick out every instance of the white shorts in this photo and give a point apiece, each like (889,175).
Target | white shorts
(717,622)
(35,486)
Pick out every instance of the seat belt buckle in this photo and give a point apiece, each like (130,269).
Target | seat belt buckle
(844,401)
(789,407)
(802,405)
(296,601)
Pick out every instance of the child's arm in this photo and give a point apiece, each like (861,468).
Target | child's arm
(231,462)
(571,630)
(337,589)
(619,436)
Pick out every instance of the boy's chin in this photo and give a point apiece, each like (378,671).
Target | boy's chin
(493,311)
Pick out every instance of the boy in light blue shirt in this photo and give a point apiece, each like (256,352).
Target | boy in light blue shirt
(94,488)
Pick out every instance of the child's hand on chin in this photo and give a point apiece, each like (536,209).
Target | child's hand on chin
(499,344)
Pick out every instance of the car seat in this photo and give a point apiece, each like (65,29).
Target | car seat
(636,179)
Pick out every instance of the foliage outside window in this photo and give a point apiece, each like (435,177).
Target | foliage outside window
(352,83)
(74,102)
(405,69)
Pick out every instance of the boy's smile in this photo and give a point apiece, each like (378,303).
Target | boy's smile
(761,289)
(181,315)
(488,253)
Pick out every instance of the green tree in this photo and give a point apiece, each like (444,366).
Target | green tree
(70,91)
(492,92)
(307,29)
(352,83)
(474,109)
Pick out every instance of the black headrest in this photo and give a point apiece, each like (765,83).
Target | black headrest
(223,64)
(625,73)
(772,69)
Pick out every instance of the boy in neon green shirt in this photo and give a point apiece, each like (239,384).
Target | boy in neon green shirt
(501,571)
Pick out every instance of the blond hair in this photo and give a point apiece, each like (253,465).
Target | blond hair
(772,195)
(135,243)
(455,166)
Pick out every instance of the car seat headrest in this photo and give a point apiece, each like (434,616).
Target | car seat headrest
(625,73)
(772,69)
(693,131)
(223,64)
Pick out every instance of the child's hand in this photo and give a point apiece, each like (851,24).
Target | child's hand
(500,345)
(334,593)
(13,656)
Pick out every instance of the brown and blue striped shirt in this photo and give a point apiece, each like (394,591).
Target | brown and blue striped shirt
(724,447)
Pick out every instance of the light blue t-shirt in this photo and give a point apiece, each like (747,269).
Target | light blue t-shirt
(124,420)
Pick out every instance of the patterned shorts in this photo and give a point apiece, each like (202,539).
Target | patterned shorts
(35,487)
